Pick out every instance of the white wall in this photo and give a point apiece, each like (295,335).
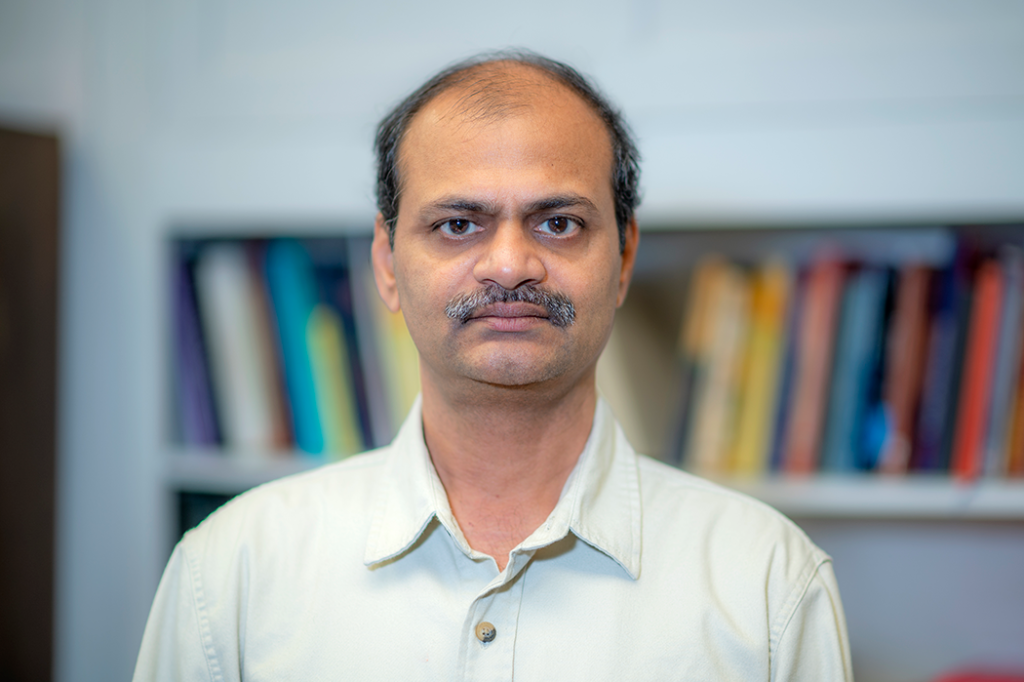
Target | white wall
(251,110)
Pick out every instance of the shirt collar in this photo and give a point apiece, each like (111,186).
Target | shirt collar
(600,502)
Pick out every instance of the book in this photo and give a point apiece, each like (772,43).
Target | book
(335,291)
(965,263)
(1007,362)
(193,390)
(692,351)
(237,354)
(293,293)
(382,427)
(873,422)
(784,402)
(772,285)
(1015,448)
(399,359)
(905,353)
(861,324)
(332,383)
(269,348)
(813,366)
(979,364)
(948,302)
(724,332)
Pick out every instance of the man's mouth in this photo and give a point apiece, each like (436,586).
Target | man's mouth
(527,301)
(510,310)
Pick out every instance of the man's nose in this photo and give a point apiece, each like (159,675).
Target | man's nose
(512,258)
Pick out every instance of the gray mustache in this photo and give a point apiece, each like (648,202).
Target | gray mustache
(561,311)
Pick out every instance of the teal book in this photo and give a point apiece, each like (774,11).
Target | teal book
(293,294)
(860,318)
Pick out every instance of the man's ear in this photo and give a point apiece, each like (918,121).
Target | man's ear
(628,259)
(383,258)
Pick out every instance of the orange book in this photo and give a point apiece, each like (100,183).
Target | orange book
(816,334)
(1015,448)
(979,363)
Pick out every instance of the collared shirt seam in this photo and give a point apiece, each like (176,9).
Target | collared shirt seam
(792,603)
(202,619)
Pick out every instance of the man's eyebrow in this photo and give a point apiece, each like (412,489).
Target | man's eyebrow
(461,205)
(561,201)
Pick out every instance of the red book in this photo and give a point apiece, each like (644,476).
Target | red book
(814,364)
(979,364)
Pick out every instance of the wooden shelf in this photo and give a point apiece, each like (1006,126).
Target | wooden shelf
(838,497)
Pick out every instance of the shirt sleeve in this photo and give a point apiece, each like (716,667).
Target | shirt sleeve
(176,644)
(814,645)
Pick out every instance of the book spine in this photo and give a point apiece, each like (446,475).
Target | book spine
(332,383)
(292,289)
(975,397)
(861,317)
(193,388)
(364,301)
(760,387)
(1007,360)
(692,351)
(937,384)
(242,385)
(817,333)
(905,366)
(728,301)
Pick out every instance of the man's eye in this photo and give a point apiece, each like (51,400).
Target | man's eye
(560,226)
(458,227)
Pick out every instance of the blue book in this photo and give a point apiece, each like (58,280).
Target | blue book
(786,379)
(860,319)
(873,423)
(962,271)
(293,293)
(938,394)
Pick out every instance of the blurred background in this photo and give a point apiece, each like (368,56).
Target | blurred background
(137,135)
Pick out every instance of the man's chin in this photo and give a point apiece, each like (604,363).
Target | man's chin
(516,374)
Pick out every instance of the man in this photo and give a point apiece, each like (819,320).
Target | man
(509,532)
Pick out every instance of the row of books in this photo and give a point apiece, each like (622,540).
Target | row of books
(284,345)
(843,366)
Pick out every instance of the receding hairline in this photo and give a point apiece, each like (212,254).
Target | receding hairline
(491,92)
(494,90)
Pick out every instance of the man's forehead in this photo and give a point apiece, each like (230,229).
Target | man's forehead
(494,92)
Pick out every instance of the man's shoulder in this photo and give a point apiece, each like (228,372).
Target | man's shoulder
(339,495)
(683,505)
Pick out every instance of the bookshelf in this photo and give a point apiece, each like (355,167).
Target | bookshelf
(645,396)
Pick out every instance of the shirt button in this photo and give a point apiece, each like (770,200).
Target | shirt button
(485,632)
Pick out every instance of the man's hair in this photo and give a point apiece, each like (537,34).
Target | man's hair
(492,92)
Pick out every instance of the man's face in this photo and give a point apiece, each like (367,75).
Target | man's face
(518,203)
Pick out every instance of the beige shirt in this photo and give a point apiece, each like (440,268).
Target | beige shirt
(359,571)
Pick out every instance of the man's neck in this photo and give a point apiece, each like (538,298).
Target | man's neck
(503,456)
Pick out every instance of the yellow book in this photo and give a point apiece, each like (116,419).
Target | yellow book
(332,383)
(772,284)
(692,351)
(723,333)
(399,361)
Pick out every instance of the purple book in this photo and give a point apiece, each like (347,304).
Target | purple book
(194,395)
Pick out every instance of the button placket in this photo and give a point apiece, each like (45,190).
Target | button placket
(491,623)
